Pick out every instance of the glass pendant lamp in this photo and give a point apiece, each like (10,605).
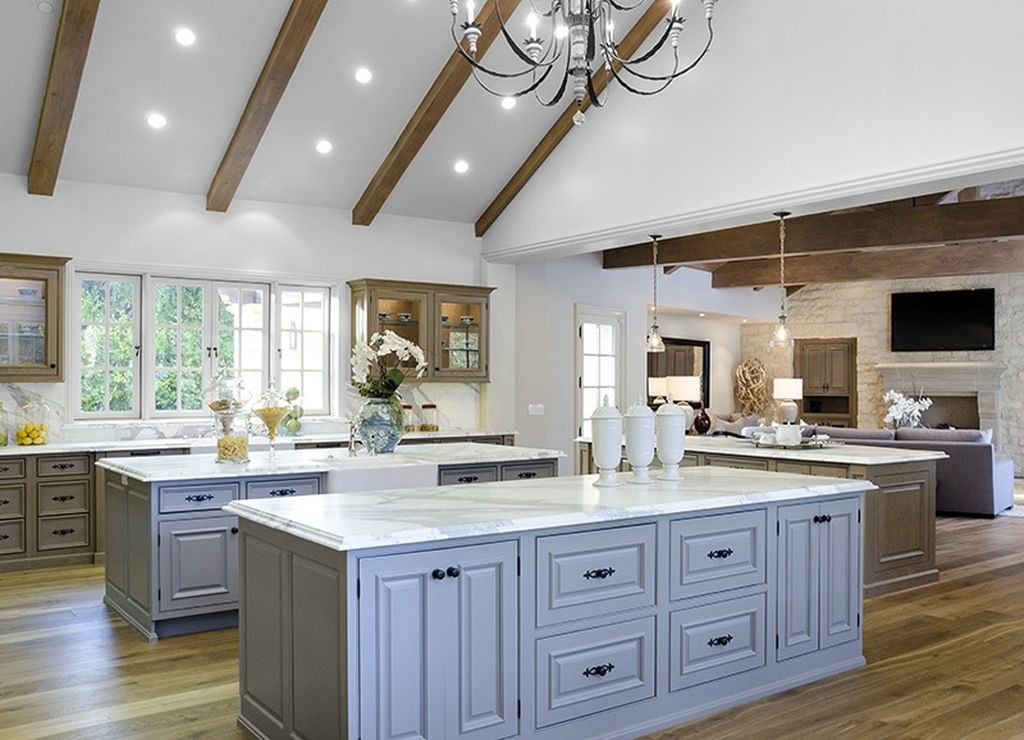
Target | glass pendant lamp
(654,341)
(782,337)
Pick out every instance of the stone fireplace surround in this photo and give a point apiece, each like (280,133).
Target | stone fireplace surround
(977,379)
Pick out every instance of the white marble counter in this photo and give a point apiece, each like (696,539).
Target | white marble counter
(427,456)
(407,516)
(841,454)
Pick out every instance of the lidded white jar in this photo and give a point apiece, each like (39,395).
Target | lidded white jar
(639,428)
(606,443)
(670,437)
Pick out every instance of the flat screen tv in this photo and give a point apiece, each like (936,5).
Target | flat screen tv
(943,320)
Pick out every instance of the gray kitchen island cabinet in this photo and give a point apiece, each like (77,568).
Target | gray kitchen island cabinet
(542,608)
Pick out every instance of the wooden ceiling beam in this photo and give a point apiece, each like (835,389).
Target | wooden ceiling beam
(890,227)
(978,258)
(450,80)
(302,17)
(70,49)
(643,28)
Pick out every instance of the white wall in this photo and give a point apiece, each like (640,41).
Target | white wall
(128,227)
(724,336)
(801,104)
(546,293)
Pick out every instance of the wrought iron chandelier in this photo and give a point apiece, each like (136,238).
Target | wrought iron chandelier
(576,33)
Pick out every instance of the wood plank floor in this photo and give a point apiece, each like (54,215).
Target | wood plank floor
(944,661)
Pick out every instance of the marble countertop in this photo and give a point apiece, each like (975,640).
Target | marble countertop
(196,467)
(210,443)
(843,454)
(356,521)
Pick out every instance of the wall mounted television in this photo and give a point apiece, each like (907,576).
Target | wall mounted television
(943,320)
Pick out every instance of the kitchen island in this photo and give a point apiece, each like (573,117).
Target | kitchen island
(543,608)
(899,526)
(171,557)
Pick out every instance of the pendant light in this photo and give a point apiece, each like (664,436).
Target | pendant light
(782,337)
(654,340)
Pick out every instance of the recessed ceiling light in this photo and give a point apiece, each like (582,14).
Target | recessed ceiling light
(185,36)
(363,75)
(702,315)
(156,120)
(461,166)
(324,146)
(44,7)
(743,321)
(508,103)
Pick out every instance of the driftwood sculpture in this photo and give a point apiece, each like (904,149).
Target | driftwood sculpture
(752,387)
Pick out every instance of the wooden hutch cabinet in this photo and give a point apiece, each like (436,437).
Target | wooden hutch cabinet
(31,313)
(829,370)
(450,322)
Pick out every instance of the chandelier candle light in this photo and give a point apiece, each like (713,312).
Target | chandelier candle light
(575,35)
(781,336)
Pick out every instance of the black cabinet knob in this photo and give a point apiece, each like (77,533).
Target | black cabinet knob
(234,530)
(437,574)
(53,365)
(453,571)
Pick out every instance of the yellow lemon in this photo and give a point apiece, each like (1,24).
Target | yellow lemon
(20,433)
(29,427)
(34,434)
(39,440)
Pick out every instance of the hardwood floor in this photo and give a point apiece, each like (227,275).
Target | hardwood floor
(944,661)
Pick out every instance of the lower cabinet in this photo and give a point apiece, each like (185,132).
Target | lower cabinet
(819,576)
(198,562)
(450,475)
(716,640)
(440,643)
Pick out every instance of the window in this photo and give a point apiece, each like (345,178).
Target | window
(148,346)
(599,361)
(304,345)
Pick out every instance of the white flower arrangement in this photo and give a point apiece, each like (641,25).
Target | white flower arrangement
(376,371)
(904,411)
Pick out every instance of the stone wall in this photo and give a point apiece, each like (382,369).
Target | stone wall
(861,310)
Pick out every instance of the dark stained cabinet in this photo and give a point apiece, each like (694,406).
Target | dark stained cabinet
(829,371)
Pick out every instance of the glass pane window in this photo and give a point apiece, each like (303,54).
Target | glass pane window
(178,351)
(108,362)
(242,343)
(304,344)
(599,362)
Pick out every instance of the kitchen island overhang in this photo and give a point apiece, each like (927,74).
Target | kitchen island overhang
(700,594)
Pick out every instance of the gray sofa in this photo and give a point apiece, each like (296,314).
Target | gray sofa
(972,480)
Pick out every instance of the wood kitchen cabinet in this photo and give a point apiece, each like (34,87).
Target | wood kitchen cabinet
(829,371)
(450,323)
(31,318)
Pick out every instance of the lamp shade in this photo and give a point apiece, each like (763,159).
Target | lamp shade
(684,387)
(657,386)
(788,389)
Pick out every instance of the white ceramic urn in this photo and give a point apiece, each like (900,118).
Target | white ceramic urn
(639,427)
(606,443)
(788,435)
(670,437)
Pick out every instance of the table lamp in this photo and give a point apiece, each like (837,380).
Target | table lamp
(658,389)
(787,391)
(685,388)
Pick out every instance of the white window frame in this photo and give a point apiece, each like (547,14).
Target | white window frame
(587,314)
(328,342)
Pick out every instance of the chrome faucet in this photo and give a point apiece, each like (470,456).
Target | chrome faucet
(353,440)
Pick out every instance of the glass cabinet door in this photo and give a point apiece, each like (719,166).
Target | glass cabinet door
(404,313)
(461,338)
(31,295)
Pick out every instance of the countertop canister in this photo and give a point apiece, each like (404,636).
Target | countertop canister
(639,427)
(606,443)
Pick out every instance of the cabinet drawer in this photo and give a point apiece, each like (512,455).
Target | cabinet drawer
(59,532)
(527,471)
(592,573)
(12,467)
(715,553)
(451,476)
(197,498)
(12,537)
(716,640)
(12,500)
(593,670)
(62,498)
(282,487)
(50,465)
(737,463)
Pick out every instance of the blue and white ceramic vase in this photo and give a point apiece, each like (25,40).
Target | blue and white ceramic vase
(379,425)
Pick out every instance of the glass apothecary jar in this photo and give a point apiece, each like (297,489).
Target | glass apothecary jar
(428,418)
(32,424)
(409,416)
(226,393)
(3,426)
(232,436)
(271,407)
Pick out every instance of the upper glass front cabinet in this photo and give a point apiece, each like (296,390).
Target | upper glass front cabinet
(31,307)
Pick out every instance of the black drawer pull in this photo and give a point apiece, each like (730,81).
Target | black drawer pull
(599,670)
(66,497)
(600,573)
(4,501)
(283,492)
(5,468)
(823,519)
(199,497)
(720,554)
(817,519)
(468,478)
(4,537)
(526,474)
(63,532)
(437,574)
(234,530)
(62,466)
(720,641)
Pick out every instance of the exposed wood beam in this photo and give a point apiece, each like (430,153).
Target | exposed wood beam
(291,41)
(885,228)
(431,109)
(979,258)
(70,48)
(561,128)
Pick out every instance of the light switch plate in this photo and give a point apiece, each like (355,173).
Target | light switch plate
(536,409)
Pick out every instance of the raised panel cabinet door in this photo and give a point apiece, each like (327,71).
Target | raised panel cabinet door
(813,368)
(838,364)
(840,573)
(198,562)
(799,566)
